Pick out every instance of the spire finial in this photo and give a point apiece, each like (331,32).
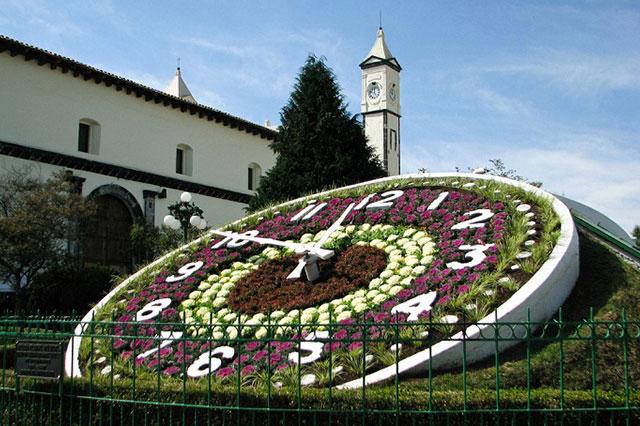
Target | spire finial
(178,69)
(380,20)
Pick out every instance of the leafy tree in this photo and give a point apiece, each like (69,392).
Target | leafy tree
(319,144)
(636,235)
(39,221)
(149,242)
(497,168)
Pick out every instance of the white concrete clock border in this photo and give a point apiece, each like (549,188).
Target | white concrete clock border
(543,293)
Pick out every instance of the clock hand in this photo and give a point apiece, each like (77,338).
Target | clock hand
(298,247)
(335,226)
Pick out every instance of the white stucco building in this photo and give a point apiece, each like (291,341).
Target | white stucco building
(131,148)
(134,149)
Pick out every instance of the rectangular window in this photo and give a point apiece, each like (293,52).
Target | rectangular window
(84,133)
(394,139)
(250,178)
(179,161)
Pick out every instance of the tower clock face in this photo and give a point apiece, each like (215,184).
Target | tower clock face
(291,286)
(373,91)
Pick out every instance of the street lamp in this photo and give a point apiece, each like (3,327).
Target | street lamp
(184,213)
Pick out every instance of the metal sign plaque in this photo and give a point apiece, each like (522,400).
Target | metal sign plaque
(39,358)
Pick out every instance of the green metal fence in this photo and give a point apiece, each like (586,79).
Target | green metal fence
(560,372)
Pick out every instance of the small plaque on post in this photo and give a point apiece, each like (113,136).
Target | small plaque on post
(39,358)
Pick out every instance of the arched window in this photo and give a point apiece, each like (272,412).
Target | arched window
(254,172)
(184,160)
(89,136)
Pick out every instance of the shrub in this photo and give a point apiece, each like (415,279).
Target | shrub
(66,289)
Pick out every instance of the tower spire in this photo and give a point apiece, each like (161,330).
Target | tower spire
(177,87)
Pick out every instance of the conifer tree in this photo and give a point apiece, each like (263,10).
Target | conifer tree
(319,145)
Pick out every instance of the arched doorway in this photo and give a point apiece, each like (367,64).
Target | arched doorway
(107,239)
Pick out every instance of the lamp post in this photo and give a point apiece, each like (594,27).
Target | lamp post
(184,213)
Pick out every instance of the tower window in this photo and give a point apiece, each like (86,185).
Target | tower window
(88,136)
(394,139)
(254,172)
(184,160)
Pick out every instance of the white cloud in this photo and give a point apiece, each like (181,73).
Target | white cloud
(578,72)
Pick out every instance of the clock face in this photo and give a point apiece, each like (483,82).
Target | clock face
(373,91)
(294,282)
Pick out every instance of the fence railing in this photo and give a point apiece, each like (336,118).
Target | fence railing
(139,373)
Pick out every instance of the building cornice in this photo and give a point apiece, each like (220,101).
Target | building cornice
(120,172)
(128,87)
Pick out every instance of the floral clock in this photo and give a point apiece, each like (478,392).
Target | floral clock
(361,282)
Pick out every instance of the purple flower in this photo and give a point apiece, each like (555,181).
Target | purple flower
(170,371)
(248,370)
(224,372)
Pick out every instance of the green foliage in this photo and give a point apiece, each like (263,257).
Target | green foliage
(50,290)
(636,235)
(39,221)
(149,242)
(318,145)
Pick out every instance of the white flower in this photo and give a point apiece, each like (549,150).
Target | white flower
(194,294)
(386,227)
(223,293)
(228,286)
(261,333)
(394,279)
(409,232)
(323,308)
(306,238)
(412,250)
(285,320)
(106,370)
(384,288)
(202,312)
(395,258)
(218,301)
(230,317)
(375,242)
(402,241)
(405,271)
(419,235)
(361,307)
(232,332)
(381,245)
(406,281)
(365,226)
(411,261)
(375,283)
(372,293)
(424,241)
(376,227)
(395,289)
(426,260)
(390,248)
(392,237)
(360,233)
(277,314)
(339,309)
(350,229)
(348,298)
(392,266)
(380,298)
(188,303)
(358,301)
(343,316)
(204,285)
(323,318)
(419,270)
(259,317)
(222,312)
(360,293)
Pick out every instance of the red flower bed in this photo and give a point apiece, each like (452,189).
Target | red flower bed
(268,289)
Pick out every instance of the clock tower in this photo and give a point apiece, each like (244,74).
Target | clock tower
(380,104)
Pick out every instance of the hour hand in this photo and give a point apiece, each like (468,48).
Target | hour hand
(298,247)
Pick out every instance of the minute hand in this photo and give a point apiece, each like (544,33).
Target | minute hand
(334,227)
(298,247)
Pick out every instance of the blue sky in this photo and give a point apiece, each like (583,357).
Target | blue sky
(552,88)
